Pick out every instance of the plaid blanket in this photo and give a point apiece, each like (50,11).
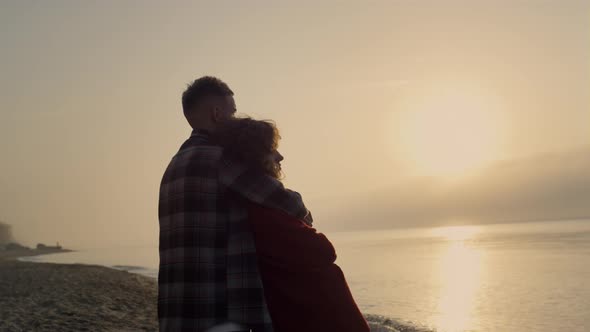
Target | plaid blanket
(208,272)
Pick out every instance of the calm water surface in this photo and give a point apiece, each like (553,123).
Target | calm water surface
(513,277)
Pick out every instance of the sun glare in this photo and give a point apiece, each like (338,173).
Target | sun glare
(460,271)
(449,134)
(456,233)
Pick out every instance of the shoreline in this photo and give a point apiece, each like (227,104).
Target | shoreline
(32,253)
(44,296)
(18,253)
(38,296)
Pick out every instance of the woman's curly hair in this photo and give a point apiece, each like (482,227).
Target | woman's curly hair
(251,142)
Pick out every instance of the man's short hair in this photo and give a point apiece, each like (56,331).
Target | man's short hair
(201,88)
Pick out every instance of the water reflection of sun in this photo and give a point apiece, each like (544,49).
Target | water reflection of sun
(460,271)
(456,233)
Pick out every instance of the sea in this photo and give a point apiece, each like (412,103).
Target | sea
(532,276)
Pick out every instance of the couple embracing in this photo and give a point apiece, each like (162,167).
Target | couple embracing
(238,251)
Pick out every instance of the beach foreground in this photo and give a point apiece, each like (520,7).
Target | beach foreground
(74,297)
(80,297)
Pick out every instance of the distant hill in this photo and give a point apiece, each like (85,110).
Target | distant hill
(545,187)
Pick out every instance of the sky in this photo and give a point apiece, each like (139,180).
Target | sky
(392,113)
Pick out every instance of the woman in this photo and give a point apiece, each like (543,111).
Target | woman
(304,289)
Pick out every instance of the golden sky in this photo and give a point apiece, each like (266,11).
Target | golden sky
(367,95)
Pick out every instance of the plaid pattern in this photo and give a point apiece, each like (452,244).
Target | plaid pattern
(208,271)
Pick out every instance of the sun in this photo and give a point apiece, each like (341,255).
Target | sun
(449,134)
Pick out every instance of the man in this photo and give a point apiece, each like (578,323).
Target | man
(208,278)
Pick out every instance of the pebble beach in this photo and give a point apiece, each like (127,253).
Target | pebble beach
(80,297)
(74,297)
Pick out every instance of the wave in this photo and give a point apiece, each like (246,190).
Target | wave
(380,323)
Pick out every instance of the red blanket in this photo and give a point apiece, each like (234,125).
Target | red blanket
(304,289)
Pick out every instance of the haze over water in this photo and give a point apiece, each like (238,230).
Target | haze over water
(392,114)
(505,277)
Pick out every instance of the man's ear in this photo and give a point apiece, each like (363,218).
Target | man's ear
(216,115)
